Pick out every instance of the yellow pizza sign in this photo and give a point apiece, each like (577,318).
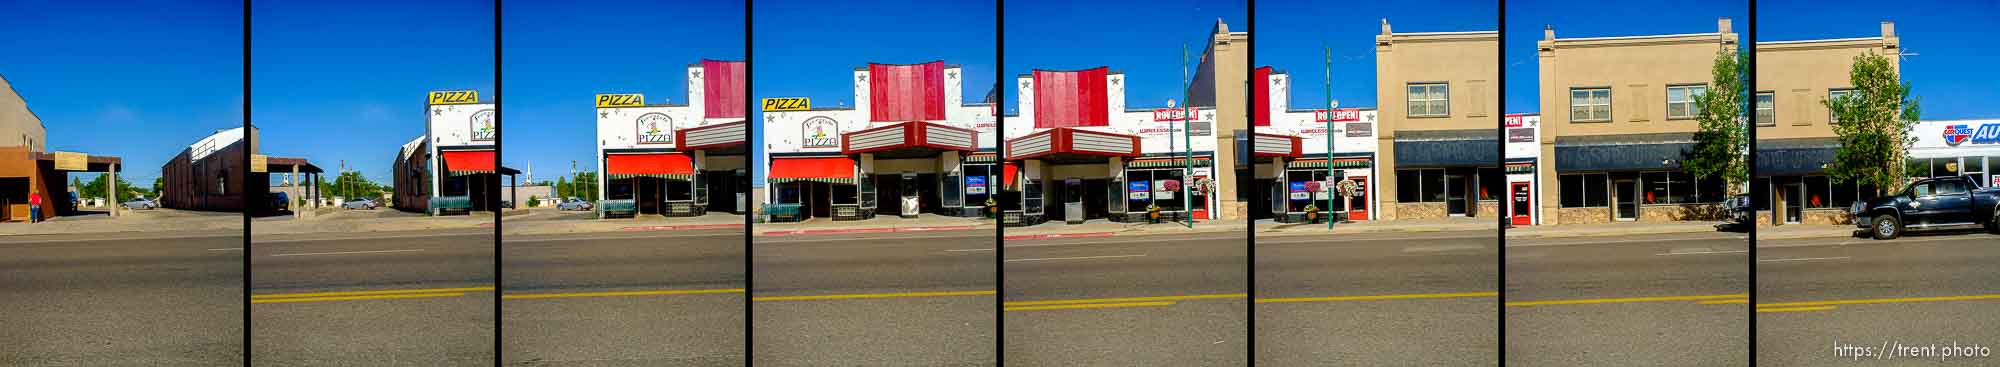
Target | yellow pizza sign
(621,100)
(787,104)
(454,97)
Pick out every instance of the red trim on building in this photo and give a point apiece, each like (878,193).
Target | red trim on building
(906,92)
(649,164)
(1071,98)
(1063,141)
(915,135)
(1296,151)
(1261,95)
(723,89)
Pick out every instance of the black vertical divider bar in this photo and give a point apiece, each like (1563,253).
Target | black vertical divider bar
(755,146)
(246,193)
(1749,43)
(499,150)
(999,154)
(1250,225)
(1500,240)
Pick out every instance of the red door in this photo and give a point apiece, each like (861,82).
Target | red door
(1358,204)
(1519,204)
(1199,203)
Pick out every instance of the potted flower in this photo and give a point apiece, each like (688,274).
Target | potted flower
(1153,213)
(992,208)
(1312,213)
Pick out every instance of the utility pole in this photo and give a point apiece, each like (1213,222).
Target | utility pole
(1329,137)
(1187,123)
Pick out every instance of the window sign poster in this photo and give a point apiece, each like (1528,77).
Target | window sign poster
(975,184)
(1140,190)
(1165,189)
(1299,191)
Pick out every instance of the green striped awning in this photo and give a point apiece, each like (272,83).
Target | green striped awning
(1167,162)
(457,173)
(831,180)
(1337,163)
(981,158)
(1520,168)
(667,176)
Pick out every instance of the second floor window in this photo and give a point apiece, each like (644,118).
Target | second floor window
(1681,101)
(1429,100)
(1767,109)
(1834,95)
(1590,104)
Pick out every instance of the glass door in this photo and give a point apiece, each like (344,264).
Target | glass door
(1454,191)
(1627,194)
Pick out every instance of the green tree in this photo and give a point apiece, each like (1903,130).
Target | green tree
(1873,124)
(351,185)
(562,187)
(159,184)
(1720,146)
(95,189)
(585,185)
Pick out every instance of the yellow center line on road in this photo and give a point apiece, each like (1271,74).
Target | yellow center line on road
(873,295)
(1881,300)
(1725,302)
(1379,297)
(1089,305)
(1626,300)
(369,293)
(622,293)
(1794,309)
(1127,299)
(351,298)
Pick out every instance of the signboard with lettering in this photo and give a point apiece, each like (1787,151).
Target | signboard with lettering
(454,97)
(260,163)
(787,104)
(975,185)
(819,132)
(69,161)
(1139,190)
(1299,192)
(621,100)
(1338,115)
(482,126)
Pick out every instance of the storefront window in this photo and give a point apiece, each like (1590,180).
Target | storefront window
(619,190)
(1298,193)
(700,189)
(791,193)
(1584,191)
(1711,189)
(680,190)
(1818,192)
(1406,185)
(847,194)
(1433,187)
(977,184)
(1032,196)
(1844,194)
(1491,184)
(1154,187)
(948,189)
(1760,193)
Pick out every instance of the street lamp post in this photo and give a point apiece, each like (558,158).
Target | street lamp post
(1330,104)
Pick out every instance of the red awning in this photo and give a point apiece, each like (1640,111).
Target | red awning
(674,166)
(1007,174)
(468,162)
(839,170)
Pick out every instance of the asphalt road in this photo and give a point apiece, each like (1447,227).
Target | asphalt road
(1153,300)
(150,299)
(1656,300)
(1815,294)
(884,299)
(665,298)
(374,299)
(1379,299)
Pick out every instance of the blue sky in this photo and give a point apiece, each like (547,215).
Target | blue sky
(806,48)
(557,56)
(140,80)
(1574,19)
(333,81)
(1951,73)
(1291,36)
(1142,39)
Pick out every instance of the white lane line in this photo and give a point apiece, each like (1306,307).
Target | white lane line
(346,252)
(227,249)
(1077,258)
(1802,259)
(1696,252)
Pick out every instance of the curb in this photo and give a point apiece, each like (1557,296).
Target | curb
(1610,233)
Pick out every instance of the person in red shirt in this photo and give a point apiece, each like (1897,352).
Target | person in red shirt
(34,207)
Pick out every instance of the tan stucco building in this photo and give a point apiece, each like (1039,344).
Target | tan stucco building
(1438,150)
(26,165)
(1219,83)
(1618,118)
(1794,138)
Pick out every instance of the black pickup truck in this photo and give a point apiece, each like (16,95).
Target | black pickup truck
(1934,203)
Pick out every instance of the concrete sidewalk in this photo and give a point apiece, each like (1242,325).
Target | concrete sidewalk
(1105,228)
(1793,231)
(879,224)
(152,220)
(552,221)
(1612,229)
